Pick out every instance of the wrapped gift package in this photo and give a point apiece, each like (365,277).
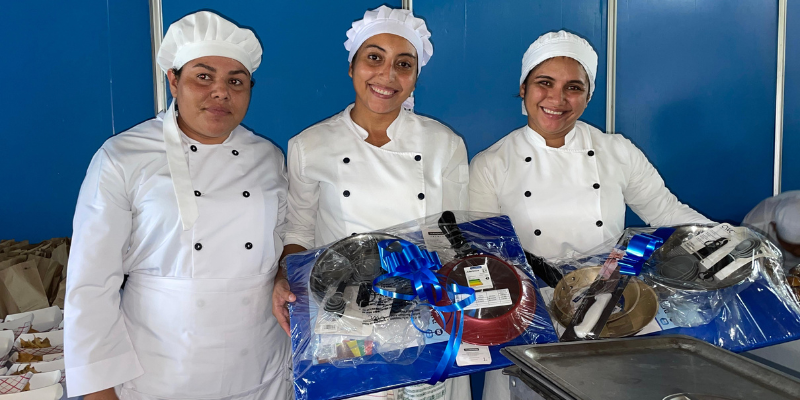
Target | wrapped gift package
(720,283)
(414,303)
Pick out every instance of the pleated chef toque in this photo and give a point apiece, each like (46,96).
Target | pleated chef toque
(207,34)
(560,44)
(395,21)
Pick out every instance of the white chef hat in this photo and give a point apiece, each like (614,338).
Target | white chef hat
(395,21)
(560,44)
(787,219)
(207,34)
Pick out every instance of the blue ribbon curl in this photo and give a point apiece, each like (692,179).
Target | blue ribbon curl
(403,259)
(640,248)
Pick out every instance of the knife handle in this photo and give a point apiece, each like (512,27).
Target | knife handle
(593,315)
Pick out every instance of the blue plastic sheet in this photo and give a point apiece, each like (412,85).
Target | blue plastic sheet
(754,310)
(490,233)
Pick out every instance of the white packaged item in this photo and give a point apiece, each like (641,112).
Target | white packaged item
(18,326)
(42,367)
(6,345)
(56,343)
(45,358)
(44,320)
(43,387)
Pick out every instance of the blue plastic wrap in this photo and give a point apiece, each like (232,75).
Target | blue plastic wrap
(320,378)
(738,307)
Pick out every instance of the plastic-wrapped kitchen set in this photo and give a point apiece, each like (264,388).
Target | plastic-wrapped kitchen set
(721,284)
(418,302)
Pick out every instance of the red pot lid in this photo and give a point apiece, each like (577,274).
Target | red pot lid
(491,326)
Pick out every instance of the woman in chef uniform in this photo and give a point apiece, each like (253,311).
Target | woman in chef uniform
(189,204)
(375,164)
(564,183)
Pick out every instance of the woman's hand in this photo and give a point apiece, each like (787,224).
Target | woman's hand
(281,297)
(281,293)
(107,394)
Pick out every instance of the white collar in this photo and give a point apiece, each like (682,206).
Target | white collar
(393,131)
(189,141)
(538,140)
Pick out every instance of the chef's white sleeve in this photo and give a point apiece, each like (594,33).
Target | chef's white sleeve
(97,348)
(455,182)
(303,200)
(650,199)
(482,186)
(279,233)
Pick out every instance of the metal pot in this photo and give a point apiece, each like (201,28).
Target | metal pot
(352,260)
(638,306)
(670,252)
(491,325)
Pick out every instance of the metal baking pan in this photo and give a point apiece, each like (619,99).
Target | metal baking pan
(646,368)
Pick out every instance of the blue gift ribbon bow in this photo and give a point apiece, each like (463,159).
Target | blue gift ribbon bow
(403,259)
(640,248)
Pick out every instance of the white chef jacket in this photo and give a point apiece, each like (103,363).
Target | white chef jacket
(339,185)
(567,201)
(127,222)
(761,218)
(571,199)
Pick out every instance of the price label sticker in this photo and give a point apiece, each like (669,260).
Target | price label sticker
(488,299)
(473,355)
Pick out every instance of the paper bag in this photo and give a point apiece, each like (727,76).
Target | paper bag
(7,304)
(12,245)
(61,253)
(42,249)
(61,295)
(6,243)
(21,288)
(50,274)
(61,256)
(18,248)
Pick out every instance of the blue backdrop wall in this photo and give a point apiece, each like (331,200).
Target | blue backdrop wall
(695,92)
(69,87)
(696,86)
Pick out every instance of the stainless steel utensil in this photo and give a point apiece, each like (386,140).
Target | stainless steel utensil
(646,368)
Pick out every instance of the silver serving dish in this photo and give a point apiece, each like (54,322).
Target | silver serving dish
(644,368)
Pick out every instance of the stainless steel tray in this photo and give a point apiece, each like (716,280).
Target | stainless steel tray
(647,368)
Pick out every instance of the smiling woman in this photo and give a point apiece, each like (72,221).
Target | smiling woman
(555,94)
(384,73)
(375,164)
(564,183)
